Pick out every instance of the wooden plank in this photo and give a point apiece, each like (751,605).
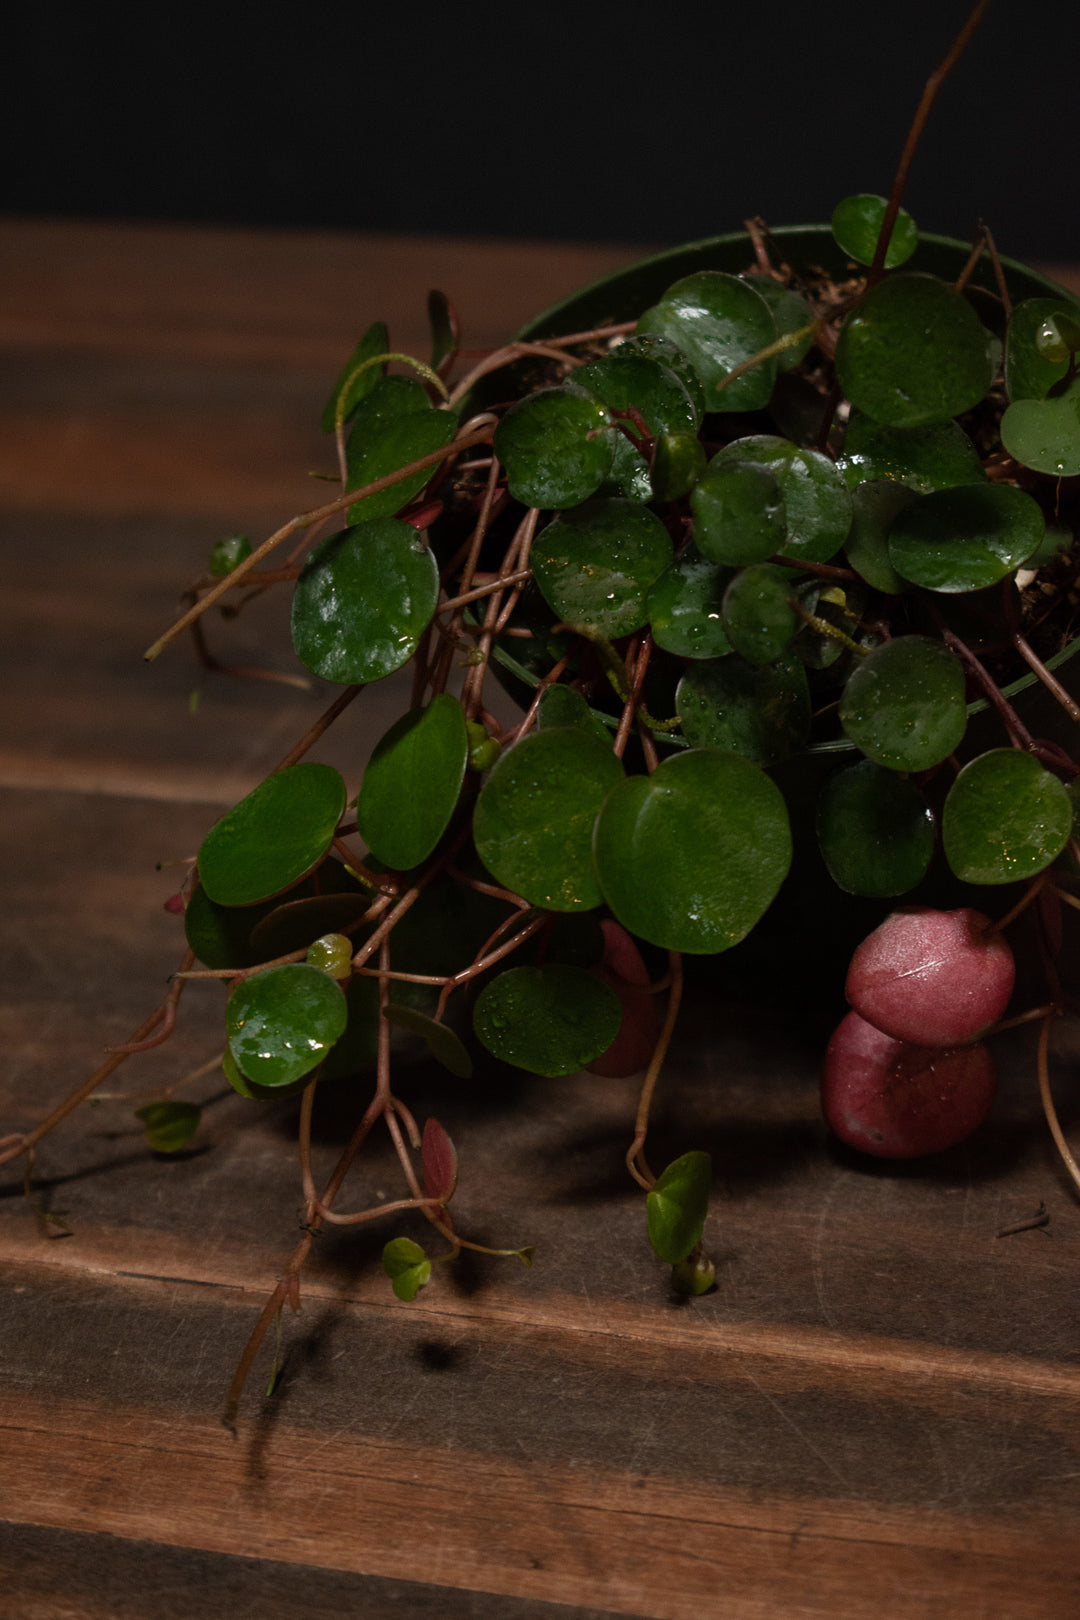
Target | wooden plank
(473,1522)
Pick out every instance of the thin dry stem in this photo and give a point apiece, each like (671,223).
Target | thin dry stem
(914,135)
(635,1154)
(1048,1102)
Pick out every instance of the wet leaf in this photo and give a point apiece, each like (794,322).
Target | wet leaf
(937,456)
(1030,374)
(620,382)
(875,507)
(407,1266)
(685,607)
(549,1020)
(856,225)
(759,711)
(690,857)
(757,613)
(739,514)
(282,1022)
(554,447)
(273,837)
(903,705)
(817,503)
(363,600)
(875,830)
(440,1162)
(411,785)
(534,817)
(595,565)
(1005,819)
(914,352)
(655,347)
(677,1206)
(445,1047)
(965,539)
(169,1126)
(375,341)
(718,321)
(1044,434)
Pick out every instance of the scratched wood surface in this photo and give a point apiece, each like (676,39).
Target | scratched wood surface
(878,1411)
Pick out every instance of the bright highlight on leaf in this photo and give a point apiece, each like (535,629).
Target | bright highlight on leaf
(282,1022)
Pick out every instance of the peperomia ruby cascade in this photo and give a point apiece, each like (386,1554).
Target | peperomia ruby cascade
(767,560)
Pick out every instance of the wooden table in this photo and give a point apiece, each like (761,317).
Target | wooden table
(878,1410)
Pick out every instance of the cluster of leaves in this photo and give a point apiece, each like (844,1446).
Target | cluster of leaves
(746,528)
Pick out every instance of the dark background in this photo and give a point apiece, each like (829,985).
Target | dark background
(633,122)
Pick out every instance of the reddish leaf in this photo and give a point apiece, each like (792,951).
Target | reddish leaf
(439,1157)
(622,968)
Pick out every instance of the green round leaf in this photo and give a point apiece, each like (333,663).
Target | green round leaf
(875,507)
(685,607)
(554,447)
(757,613)
(393,426)
(622,382)
(363,600)
(678,463)
(965,539)
(549,1020)
(253,1092)
(718,322)
(759,711)
(1029,373)
(676,1207)
(445,1047)
(169,1126)
(1044,434)
(856,225)
(1005,819)
(875,829)
(596,564)
(565,706)
(690,857)
(903,705)
(534,817)
(739,514)
(273,837)
(655,347)
(914,352)
(282,1022)
(412,783)
(790,312)
(925,458)
(407,1266)
(817,503)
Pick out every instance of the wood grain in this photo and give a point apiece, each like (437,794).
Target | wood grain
(878,1411)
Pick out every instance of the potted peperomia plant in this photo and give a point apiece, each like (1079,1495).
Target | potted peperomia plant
(773,538)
